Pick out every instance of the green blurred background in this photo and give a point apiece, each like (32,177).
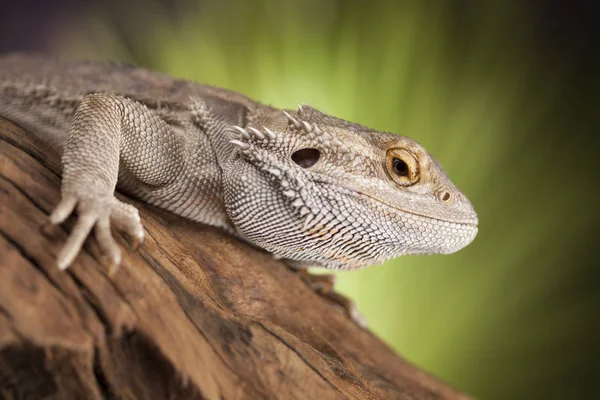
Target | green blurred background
(496,90)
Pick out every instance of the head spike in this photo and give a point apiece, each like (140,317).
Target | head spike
(244,133)
(258,134)
(241,145)
(272,135)
(307,127)
(293,121)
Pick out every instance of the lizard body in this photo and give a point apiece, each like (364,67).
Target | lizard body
(310,188)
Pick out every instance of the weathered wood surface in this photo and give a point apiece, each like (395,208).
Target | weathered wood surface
(192,314)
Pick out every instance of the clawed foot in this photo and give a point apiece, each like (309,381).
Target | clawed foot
(323,285)
(98,213)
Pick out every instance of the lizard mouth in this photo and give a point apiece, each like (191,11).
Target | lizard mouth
(455,222)
(464,223)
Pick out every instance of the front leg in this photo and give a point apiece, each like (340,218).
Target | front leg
(109,133)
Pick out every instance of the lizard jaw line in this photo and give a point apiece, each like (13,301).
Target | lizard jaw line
(464,223)
(359,193)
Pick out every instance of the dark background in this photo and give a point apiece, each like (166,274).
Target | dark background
(512,114)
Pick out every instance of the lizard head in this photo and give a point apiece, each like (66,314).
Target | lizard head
(318,190)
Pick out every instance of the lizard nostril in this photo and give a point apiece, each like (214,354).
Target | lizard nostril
(445,196)
(306,158)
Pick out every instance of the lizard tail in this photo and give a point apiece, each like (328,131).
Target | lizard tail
(36,108)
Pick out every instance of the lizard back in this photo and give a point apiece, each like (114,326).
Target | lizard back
(41,93)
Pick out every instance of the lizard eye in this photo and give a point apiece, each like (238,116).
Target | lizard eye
(402,167)
(306,158)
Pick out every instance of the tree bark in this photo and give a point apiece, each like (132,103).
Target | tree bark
(193,313)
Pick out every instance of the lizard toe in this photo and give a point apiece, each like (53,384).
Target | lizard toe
(107,243)
(63,209)
(126,218)
(94,213)
(82,228)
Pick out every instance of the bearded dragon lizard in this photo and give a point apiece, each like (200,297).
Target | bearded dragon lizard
(309,188)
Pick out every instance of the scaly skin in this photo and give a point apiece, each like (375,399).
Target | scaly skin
(307,187)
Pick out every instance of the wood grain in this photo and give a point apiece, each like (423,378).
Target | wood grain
(193,314)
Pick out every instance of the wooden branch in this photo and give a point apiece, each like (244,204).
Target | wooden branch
(193,314)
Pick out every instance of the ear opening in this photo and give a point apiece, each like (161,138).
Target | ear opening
(306,158)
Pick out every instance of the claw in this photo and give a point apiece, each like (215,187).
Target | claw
(136,243)
(112,269)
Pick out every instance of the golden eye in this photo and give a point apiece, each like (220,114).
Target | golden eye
(402,167)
